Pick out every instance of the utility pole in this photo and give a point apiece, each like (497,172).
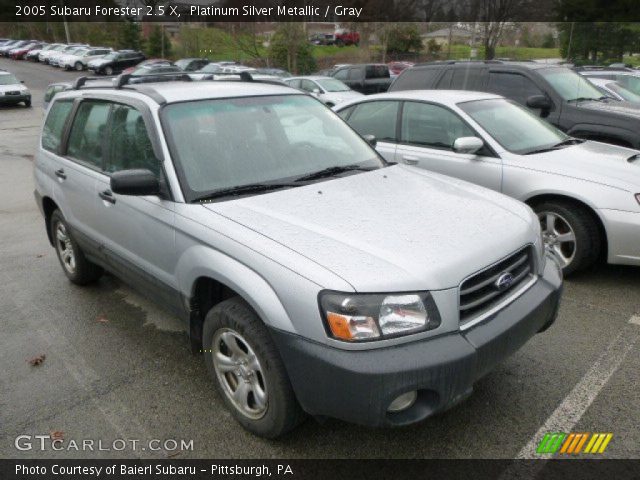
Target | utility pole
(570,40)
(66,25)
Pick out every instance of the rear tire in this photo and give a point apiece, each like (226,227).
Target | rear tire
(273,409)
(75,265)
(571,233)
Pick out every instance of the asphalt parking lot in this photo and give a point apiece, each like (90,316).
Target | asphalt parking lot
(117,367)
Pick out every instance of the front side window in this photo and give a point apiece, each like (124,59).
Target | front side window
(227,143)
(308,86)
(513,85)
(433,126)
(54,125)
(512,126)
(88,133)
(569,85)
(129,145)
(376,118)
(342,74)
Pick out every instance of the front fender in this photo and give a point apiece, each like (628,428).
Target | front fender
(201,261)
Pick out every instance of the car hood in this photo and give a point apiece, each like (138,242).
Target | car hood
(612,106)
(590,161)
(339,97)
(393,229)
(16,87)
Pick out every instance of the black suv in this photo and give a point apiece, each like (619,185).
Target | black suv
(366,78)
(558,94)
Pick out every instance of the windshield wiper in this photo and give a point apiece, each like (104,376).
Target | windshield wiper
(586,99)
(244,189)
(557,146)
(331,171)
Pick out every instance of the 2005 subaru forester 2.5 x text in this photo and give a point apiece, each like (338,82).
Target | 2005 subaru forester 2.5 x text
(314,276)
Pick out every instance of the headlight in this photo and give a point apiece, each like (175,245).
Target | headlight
(357,317)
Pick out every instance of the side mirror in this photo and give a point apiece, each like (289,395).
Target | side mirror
(316,91)
(137,182)
(541,102)
(371,140)
(469,145)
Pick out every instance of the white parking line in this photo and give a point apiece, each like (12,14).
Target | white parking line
(576,403)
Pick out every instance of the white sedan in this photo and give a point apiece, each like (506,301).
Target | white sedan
(328,90)
(80,59)
(586,194)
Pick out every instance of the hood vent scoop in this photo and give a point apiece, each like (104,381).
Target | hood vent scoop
(634,158)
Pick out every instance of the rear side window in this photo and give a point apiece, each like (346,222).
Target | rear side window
(512,85)
(354,73)
(54,125)
(377,71)
(416,79)
(466,79)
(130,146)
(88,133)
(376,118)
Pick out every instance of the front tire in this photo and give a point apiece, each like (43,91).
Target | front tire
(247,370)
(571,233)
(108,71)
(75,265)
(79,66)
(27,103)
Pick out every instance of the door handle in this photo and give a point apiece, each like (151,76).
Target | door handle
(107,196)
(60,174)
(409,160)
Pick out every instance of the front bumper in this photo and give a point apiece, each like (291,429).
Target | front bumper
(11,99)
(623,232)
(358,386)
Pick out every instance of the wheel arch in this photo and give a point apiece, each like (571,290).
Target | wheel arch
(541,197)
(209,277)
(48,207)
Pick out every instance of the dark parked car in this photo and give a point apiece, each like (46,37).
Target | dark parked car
(116,62)
(191,64)
(558,94)
(365,78)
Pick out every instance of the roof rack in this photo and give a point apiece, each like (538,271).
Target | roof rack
(143,84)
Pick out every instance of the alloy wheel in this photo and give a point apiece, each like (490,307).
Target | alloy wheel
(239,372)
(65,248)
(558,236)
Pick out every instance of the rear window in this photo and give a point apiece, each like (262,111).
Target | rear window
(377,71)
(54,125)
(416,79)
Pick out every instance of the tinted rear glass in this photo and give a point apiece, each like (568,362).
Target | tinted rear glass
(416,79)
(377,71)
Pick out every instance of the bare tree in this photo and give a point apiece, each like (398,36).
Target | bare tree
(493,16)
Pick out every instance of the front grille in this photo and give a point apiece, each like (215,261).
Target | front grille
(482,291)
(13,92)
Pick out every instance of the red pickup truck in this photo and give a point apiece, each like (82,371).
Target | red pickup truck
(345,37)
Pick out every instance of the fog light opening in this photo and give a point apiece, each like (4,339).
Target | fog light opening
(403,402)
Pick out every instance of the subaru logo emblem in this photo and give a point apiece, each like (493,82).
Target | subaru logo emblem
(504,281)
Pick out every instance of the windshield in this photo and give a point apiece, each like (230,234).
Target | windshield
(333,85)
(512,126)
(8,80)
(221,144)
(570,85)
(626,94)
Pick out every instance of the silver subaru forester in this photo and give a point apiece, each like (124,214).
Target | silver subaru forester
(314,277)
